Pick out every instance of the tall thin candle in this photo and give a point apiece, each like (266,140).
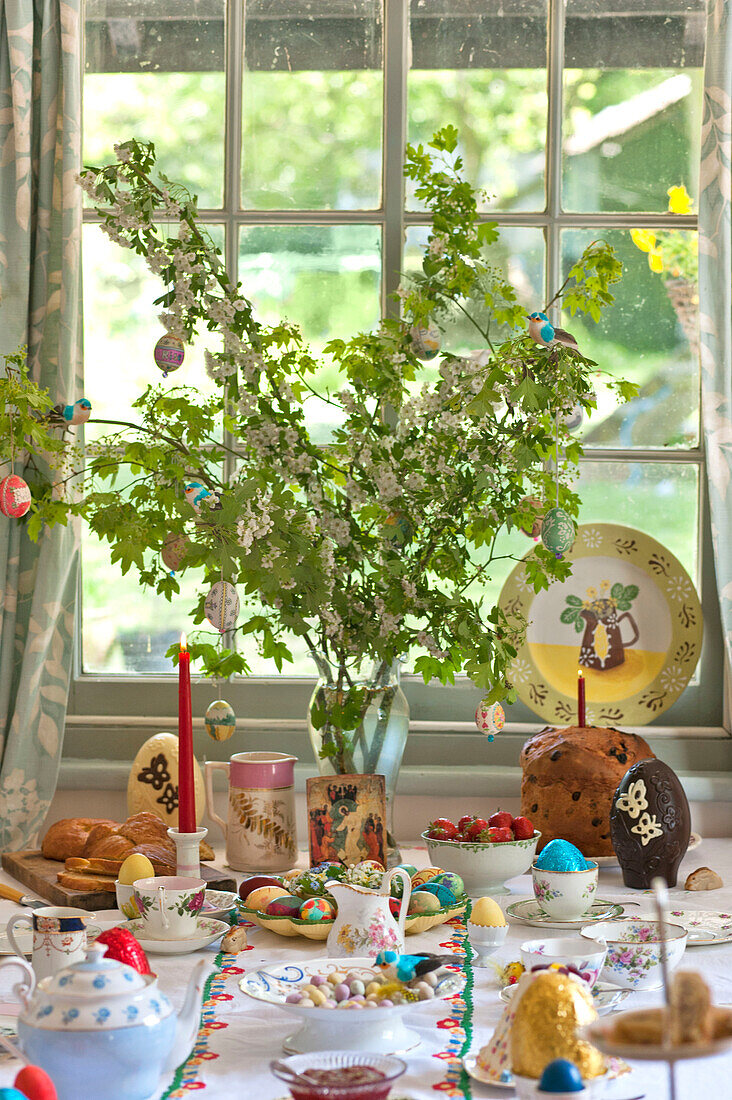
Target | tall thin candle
(581,718)
(186,788)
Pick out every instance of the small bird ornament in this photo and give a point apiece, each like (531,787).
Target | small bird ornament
(67,416)
(197,495)
(542,331)
(403,968)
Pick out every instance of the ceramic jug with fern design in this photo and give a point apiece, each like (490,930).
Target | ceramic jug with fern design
(260,829)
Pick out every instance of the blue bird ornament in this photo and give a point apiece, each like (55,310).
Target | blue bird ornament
(542,331)
(404,968)
(70,415)
(197,495)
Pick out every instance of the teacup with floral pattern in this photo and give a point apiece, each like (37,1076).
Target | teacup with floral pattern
(633,959)
(169,905)
(565,895)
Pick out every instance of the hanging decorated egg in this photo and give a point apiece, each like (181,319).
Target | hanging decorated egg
(174,550)
(557,531)
(220,720)
(426,340)
(153,782)
(398,528)
(222,606)
(534,531)
(490,718)
(169,353)
(572,420)
(15,496)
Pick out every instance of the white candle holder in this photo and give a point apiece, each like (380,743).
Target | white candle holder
(188,851)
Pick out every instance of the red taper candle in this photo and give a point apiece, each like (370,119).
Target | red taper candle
(186,785)
(580,698)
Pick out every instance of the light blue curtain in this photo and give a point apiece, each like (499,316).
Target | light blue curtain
(715,293)
(40,242)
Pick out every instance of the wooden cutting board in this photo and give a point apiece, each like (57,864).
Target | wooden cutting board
(39,875)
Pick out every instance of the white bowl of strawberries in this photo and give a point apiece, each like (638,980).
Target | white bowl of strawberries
(485,853)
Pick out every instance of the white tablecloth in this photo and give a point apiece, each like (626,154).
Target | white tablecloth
(239,1037)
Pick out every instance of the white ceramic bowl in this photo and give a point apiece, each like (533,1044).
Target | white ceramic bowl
(375,1030)
(584,955)
(633,959)
(484,868)
(565,895)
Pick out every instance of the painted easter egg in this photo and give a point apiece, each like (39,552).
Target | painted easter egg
(249,885)
(370,865)
(35,1084)
(441,892)
(153,782)
(174,550)
(316,909)
(561,1076)
(573,420)
(220,720)
(423,902)
(264,895)
(169,353)
(490,718)
(558,531)
(533,530)
(426,340)
(15,496)
(286,906)
(409,868)
(452,882)
(222,606)
(650,824)
(425,876)
(560,855)
(398,529)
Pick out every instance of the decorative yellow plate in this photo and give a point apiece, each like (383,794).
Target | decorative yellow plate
(628,616)
(287,926)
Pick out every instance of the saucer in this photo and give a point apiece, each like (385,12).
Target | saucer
(24,936)
(217,903)
(704,928)
(207,932)
(600,1034)
(606,997)
(530,912)
(616,1069)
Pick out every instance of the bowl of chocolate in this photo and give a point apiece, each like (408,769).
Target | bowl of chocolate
(335,1075)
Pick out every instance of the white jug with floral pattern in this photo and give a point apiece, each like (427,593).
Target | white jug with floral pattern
(365,924)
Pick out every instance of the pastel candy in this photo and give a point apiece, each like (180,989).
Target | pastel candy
(560,855)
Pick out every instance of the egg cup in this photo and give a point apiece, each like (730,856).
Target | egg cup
(485,940)
(126,900)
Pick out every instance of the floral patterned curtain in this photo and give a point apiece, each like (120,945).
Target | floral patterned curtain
(715,293)
(40,241)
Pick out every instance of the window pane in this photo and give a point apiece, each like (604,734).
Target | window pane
(649,335)
(158,79)
(519,254)
(482,69)
(126,629)
(312,105)
(632,102)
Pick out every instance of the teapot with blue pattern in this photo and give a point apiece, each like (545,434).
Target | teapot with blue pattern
(102,1030)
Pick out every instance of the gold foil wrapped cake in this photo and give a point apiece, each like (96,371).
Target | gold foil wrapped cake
(545,1026)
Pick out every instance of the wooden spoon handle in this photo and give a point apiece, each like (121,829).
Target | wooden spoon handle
(10,893)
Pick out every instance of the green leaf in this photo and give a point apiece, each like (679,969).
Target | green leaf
(617,591)
(569,615)
(631,591)
(575,601)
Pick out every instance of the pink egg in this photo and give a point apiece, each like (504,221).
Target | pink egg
(15,496)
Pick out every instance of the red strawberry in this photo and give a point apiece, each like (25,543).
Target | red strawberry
(447,829)
(123,946)
(522,828)
(475,828)
(464,821)
(501,820)
(496,836)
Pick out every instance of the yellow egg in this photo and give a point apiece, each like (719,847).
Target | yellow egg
(425,876)
(134,867)
(263,895)
(487,913)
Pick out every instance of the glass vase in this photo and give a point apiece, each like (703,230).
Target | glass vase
(374,742)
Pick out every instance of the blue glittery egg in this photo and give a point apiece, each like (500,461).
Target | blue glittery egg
(561,1076)
(560,855)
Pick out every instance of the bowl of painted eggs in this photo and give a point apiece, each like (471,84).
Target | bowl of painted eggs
(299,903)
(347,1004)
(485,853)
